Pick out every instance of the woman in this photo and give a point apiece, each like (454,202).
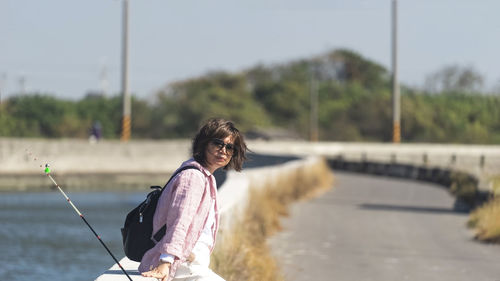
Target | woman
(189,207)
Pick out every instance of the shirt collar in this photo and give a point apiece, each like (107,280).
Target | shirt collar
(192,162)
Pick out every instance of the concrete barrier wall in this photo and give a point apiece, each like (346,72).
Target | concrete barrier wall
(479,161)
(233,196)
(135,162)
(112,164)
(80,156)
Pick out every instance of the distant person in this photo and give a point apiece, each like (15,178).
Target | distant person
(190,209)
(95,132)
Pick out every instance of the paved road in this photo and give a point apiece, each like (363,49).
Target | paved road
(375,228)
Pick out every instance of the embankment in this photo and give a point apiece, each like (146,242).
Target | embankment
(242,214)
(467,169)
(79,164)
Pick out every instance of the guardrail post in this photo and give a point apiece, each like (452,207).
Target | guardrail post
(340,161)
(363,166)
(425,159)
(482,161)
(453,160)
(340,157)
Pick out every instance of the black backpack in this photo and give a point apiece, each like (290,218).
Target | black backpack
(138,227)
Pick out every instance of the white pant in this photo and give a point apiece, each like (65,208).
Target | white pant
(198,269)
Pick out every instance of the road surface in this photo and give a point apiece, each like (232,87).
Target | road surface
(381,229)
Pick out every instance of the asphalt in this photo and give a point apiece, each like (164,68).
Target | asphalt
(376,228)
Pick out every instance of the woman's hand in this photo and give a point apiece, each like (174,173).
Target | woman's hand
(191,257)
(161,271)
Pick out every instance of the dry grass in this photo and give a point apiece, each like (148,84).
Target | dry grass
(242,252)
(495,182)
(486,221)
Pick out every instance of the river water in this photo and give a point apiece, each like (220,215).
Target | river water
(42,238)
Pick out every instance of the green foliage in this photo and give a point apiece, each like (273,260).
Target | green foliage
(8,124)
(454,78)
(464,187)
(451,117)
(186,104)
(98,108)
(36,115)
(358,69)
(354,104)
(41,115)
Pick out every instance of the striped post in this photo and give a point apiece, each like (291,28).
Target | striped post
(125,128)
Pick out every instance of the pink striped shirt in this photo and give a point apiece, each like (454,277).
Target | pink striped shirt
(184,206)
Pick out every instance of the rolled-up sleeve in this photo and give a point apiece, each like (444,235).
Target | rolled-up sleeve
(187,193)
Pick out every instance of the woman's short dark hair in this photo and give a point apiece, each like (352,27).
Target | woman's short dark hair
(218,128)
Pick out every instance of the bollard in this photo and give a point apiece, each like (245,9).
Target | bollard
(482,161)
(453,159)
(425,159)
(340,161)
(363,157)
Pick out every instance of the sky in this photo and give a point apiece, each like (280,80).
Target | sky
(66,47)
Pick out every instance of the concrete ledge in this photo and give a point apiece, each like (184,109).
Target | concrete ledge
(464,186)
(70,156)
(75,157)
(233,198)
(479,161)
(114,273)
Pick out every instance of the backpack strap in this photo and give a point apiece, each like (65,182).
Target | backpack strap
(178,171)
(161,232)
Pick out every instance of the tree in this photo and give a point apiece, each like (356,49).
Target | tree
(186,104)
(454,78)
(357,68)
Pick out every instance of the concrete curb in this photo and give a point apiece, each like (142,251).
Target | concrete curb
(233,198)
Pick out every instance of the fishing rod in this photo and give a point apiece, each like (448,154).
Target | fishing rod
(47,172)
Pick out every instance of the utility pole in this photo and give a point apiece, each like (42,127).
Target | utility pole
(126,96)
(314,134)
(396,106)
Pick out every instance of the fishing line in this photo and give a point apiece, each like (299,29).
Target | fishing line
(30,154)
(47,172)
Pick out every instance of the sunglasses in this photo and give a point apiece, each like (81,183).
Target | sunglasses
(230,148)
